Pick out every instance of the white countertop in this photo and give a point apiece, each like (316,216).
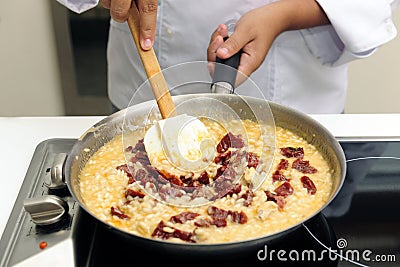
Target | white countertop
(20,135)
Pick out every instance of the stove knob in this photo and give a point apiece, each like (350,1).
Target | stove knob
(46,210)
(56,178)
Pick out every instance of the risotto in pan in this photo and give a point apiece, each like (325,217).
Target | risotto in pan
(120,186)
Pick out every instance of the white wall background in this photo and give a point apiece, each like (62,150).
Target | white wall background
(30,80)
(374,82)
(29,72)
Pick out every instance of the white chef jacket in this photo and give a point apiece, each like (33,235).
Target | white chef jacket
(304,69)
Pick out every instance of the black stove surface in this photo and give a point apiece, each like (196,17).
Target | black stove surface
(361,226)
(365,215)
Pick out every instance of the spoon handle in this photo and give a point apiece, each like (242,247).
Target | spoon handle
(152,68)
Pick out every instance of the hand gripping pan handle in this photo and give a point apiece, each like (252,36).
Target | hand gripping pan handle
(225,73)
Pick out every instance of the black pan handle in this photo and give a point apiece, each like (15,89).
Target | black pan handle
(225,73)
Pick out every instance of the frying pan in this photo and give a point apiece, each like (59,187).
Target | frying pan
(244,107)
(293,120)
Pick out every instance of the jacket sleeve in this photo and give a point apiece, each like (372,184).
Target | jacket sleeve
(358,28)
(79,6)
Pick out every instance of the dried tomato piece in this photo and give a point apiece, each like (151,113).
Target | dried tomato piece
(219,216)
(220,171)
(184,217)
(131,180)
(284,189)
(283,164)
(230,140)
(219,222)
(217,213)
(203,179)
(235,189)
(152,175)
(309,184)
(202,223)
(225,187)
(128,170)
(303,166)
(223,158)
(166,191)
(252,160)
(134,193)
(139,146)
(175,180)
(279,200)
(118,213)
(248,197)
(278,176)
(238,217)
(208,222)
(183,235)
(189,182)
(226,173)
(292,152)
(161,233)
(140,174)
(141,156)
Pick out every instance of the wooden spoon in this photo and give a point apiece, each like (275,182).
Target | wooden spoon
(177,137)
(152,68)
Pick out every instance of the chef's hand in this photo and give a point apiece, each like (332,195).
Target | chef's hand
(119,11)
(256,30)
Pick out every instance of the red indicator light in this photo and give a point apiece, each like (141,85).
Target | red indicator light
(43,245)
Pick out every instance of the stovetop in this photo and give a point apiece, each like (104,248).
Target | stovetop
(359,227)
